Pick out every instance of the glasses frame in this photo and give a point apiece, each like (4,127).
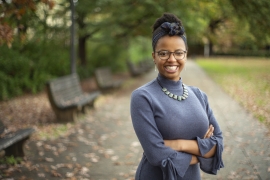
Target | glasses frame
(185,52)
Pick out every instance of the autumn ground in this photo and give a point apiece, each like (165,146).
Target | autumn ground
(35,111)
(67,151)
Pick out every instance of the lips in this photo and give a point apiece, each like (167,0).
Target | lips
(171,68)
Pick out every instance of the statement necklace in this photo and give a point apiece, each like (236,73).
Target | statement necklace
(171,95)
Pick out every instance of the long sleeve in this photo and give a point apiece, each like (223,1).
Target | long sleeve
(211,165)
(172,163)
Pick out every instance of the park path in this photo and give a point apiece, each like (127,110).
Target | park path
(246,141)
(103,145)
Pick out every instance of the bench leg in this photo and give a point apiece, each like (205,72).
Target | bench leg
(66,115)
(86,108)
(16,149)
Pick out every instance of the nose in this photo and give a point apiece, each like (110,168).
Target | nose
(171,57)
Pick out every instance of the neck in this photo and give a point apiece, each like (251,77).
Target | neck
(170,84)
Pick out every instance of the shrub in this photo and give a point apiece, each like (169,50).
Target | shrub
(28,69)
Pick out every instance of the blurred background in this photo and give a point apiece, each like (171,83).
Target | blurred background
(45,39)
(35,35)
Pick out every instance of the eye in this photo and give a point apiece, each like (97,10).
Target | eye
(179,53)
(163,53)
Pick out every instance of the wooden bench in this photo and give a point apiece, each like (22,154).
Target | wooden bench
(67,98)
(12,142)
(105,80)
(134,70)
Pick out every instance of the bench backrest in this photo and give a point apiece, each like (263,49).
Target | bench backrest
(103,76)
(64,88)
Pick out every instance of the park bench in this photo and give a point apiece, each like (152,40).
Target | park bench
(12,142)
(134,70)
(105,80)
(67,98)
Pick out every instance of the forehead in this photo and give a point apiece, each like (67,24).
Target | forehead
(170,43)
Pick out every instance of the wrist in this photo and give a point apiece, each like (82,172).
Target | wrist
(194,160)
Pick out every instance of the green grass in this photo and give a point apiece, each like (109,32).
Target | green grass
(247,80)
(10,160)
(53,132)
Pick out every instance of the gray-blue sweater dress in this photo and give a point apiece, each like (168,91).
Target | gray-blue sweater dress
(157,117)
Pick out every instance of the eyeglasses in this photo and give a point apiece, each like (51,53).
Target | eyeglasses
(178,55)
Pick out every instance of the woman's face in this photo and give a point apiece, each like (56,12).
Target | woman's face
(170,68)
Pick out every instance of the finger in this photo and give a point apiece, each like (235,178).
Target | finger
(210,132)
(207,132)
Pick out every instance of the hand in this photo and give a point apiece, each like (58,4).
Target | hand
(209,132)
(194,160)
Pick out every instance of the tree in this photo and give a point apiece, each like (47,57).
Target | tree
(256,13)
(16,15)
(113,20)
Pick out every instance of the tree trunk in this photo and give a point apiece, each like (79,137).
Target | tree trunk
(210,47)
(82,50)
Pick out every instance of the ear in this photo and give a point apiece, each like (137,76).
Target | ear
(153,56)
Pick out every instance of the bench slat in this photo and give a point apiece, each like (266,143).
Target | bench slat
(11,139)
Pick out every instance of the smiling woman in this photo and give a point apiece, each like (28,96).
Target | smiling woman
(174,122)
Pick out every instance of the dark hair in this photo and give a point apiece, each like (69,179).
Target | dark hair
(168,24)
(166,17)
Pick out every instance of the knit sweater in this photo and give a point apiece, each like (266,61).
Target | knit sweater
(157,117)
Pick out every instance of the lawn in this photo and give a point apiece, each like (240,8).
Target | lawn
(247,80)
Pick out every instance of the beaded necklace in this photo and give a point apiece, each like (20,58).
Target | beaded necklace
(171,95)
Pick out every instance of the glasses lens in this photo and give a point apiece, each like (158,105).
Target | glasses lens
(179,55)
(163,54)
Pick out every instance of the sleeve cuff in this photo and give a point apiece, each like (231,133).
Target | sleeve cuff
(205,145)
(175,166)
(210,165)
(206,165)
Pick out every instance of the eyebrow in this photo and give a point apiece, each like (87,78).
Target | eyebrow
(170,51)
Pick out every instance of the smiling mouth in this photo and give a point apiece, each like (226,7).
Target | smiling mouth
(171,68)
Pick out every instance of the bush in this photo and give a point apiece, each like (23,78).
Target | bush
(15,70)
(28,69)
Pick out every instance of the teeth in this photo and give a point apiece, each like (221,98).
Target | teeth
(172,68)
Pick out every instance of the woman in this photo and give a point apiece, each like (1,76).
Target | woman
(174,123)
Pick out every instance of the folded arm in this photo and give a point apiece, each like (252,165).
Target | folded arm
(191,146)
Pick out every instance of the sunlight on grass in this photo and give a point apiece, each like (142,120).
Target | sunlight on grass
(53,132)
(247,80)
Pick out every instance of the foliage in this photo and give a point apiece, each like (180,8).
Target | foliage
(140,49)
(255,12)
(245,79)
(18,15)
(10,160)
(104,54)
(14,73)
(29,71)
